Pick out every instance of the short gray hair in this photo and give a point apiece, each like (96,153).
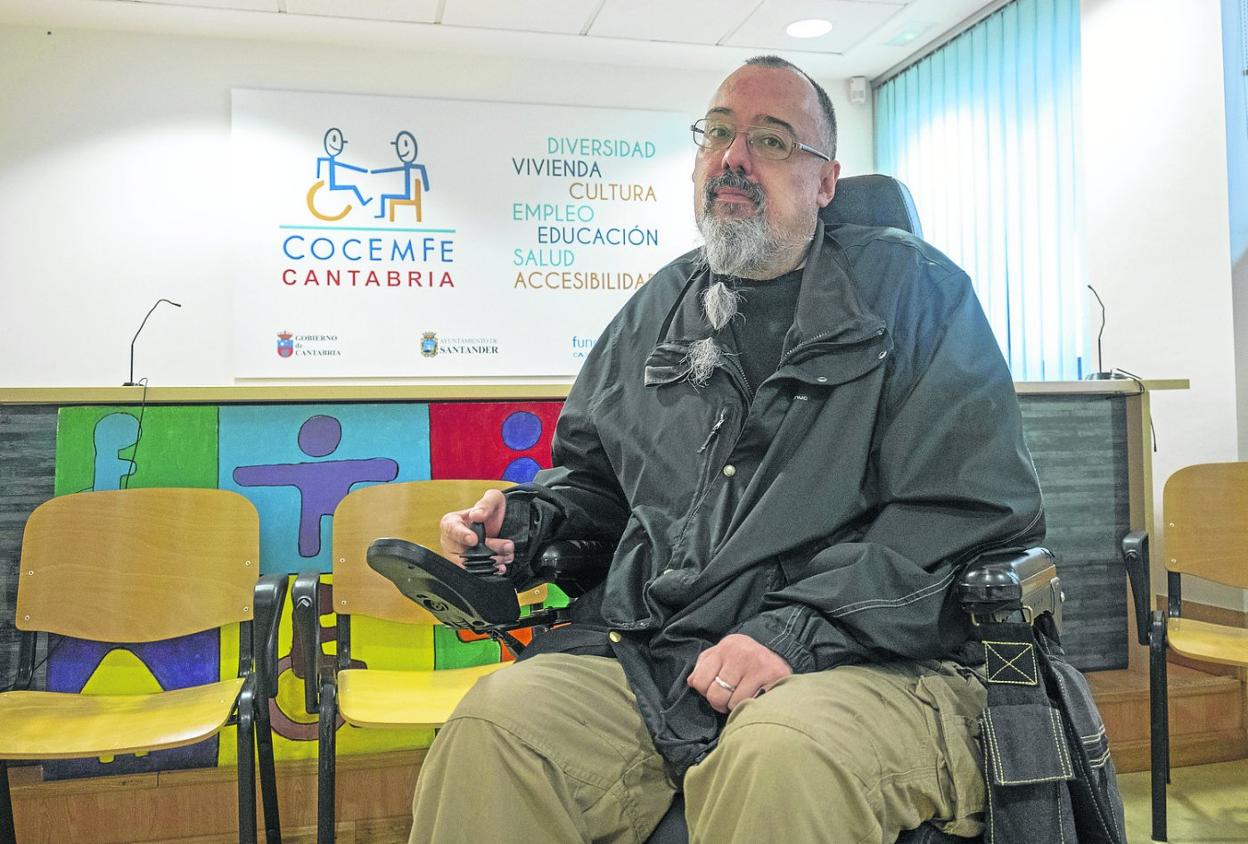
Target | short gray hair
(825,102)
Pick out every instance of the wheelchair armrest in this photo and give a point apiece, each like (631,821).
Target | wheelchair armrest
(574,565)
(1135,559)
(306,615)
(1003,582)
(267,602)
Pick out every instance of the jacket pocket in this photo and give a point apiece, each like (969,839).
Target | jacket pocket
(667,364)
(829,365)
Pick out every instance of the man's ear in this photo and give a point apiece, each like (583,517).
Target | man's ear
(827,182)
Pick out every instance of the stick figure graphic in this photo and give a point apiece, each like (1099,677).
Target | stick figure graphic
(405,148)
(334,144)
(321,484)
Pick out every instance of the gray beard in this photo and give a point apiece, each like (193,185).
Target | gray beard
(745,248)
(740,247)
(719,303)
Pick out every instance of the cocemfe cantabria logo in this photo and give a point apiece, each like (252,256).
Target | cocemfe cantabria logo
(365,226)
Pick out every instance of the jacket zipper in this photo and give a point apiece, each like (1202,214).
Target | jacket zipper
(723,414)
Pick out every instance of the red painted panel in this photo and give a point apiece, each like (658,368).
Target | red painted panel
(491,439)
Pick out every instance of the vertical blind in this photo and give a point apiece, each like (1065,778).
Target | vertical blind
(984,131)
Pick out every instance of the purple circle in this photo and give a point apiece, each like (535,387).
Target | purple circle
(521,430)
(521,470)
(320,435)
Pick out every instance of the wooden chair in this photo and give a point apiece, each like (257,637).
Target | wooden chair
(1205,508)
(414,202)
(133,566)
(369,697)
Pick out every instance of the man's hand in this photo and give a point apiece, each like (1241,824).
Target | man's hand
(736,669)
(457,535)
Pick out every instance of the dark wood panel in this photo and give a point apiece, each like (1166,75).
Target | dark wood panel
(27,463)
(1079,445)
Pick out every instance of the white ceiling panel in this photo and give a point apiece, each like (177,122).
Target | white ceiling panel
(675,34)
(686,22)
(409,11)
(241,5)
(564,16)
(852,21)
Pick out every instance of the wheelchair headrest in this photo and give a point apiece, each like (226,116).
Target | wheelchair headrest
(872,200)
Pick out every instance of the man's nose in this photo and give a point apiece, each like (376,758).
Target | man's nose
(737,155)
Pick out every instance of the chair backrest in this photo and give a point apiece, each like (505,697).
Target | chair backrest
(1206,515)
(138,565)
(872,200)
(410,511)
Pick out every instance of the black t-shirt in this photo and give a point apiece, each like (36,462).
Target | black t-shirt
(764,315)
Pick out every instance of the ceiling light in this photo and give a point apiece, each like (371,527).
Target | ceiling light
(809,28)
(908,34)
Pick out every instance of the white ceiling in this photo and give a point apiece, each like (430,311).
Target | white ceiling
(705,34)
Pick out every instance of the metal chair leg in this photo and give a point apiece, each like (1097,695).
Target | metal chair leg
(326,767)
(1159,728)
(246,766)
(268,775)
(8,835)
(1165,711)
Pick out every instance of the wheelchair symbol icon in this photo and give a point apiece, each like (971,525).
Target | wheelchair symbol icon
(312,191)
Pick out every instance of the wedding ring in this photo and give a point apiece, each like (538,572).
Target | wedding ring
(719,681)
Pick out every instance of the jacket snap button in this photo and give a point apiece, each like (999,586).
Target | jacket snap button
(614,636)
(882,355)
(822,379)
(729,470)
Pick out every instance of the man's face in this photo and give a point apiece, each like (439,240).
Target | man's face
(793,190)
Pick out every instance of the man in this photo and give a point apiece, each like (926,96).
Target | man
(797,437)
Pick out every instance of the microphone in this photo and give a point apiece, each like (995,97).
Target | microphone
(1100,374)
(132,382)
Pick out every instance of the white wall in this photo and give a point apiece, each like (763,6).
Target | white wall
(114,182)
(1155,178)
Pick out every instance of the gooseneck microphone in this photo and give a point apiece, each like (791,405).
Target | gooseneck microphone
(132,382)
(1100,374)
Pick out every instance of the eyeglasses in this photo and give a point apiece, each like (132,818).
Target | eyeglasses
(767,142)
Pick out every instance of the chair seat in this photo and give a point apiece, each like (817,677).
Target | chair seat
(1208,642)
(57,725)
(378,698)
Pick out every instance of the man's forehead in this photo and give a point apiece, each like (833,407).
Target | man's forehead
(759,94)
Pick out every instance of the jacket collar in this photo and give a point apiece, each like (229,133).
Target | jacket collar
(830,310)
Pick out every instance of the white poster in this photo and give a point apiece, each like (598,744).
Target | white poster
(389,236)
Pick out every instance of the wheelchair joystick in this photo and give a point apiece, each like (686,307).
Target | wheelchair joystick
(479,559)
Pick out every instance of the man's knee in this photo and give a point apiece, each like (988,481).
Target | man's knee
(551,693)
(498,696)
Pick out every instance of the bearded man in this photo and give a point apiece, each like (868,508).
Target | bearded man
(796,436)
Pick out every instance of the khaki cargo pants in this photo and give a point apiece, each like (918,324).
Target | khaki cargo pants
(554,750)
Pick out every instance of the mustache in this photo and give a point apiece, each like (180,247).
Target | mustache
(736,181)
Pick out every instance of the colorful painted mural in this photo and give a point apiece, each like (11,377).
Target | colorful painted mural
(294,463)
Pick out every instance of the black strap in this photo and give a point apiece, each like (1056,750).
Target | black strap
(1042,784)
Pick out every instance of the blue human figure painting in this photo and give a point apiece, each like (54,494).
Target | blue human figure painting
(405,148)
(334,144)
(321,484)
(113,434)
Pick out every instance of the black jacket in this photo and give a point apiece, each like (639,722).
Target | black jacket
(825,512)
